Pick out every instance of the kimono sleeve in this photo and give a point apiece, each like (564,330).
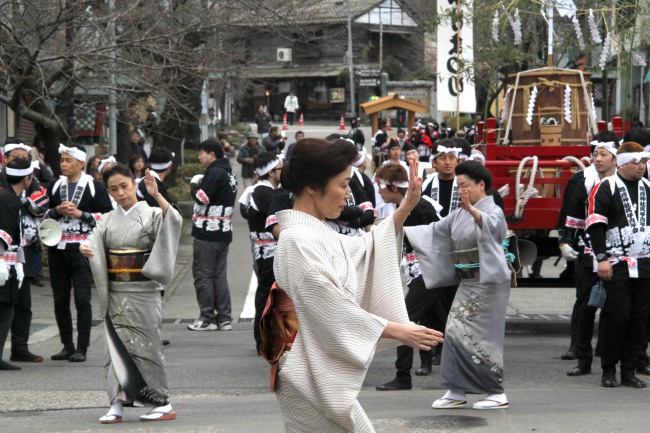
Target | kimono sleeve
(434,247)
(98,264)
(491,232)
(160,265)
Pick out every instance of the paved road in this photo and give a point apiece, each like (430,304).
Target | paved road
(220,385)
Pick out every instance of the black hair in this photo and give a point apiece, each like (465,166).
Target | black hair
(160,155)
(13,140)
(212,146)
(274,128)
(298,132)
(638,135)
(609,136)
(335,136)
(314,162)
(118,168)
(408,146)
(447,142)
(262,160)
(18,164)
(475,171)
(463,144)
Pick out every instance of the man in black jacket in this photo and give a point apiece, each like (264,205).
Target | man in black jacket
(214,197)
(77,202)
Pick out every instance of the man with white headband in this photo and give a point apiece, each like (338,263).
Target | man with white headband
(574,246)
(105,164)
(443,189)
(423,306)
(35,204)
(269,168)
(161,162)
(618,226)
(19,176)
(214,196)
(77,202)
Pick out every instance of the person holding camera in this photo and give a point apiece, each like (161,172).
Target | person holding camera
(274,142)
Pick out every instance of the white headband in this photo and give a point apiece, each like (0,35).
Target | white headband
(362,156)
(624,158)
(607,145)
(400,184)
(19,172)
(268,167)
(442,149)
(477,156)
(77,154)
(12,146)
(102,164)
(162,165)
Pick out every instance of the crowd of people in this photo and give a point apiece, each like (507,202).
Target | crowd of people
(330,237)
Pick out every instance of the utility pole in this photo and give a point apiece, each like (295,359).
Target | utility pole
(112,92)
(353,103)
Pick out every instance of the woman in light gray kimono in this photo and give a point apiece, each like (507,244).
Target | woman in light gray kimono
(347,292)
(132,251)
(467,246)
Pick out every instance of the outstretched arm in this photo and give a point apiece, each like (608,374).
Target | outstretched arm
(412,195)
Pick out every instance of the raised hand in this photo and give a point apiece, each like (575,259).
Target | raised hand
(150,183)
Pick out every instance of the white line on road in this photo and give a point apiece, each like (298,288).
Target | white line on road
(248,312)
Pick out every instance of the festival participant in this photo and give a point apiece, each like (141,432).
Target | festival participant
(468,244)
(360,172)
(35,204)
(77,202)
(347,292)
(132,252)
(18,176)
(442,186)
(574,246)
(161,162)
(268,167)
(422,305)
(617,225)
(395,154)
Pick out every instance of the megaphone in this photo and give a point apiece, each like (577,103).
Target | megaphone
(49,232)
(527,252)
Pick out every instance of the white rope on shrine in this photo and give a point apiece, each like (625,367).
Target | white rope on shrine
(575,160)
(585,160)
(523,195)
(504,191)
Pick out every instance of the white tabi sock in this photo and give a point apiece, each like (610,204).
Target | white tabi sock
(453,395)
(501,398)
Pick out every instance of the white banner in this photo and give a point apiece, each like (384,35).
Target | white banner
(448,56)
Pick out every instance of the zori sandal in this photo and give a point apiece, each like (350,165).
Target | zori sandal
(110,418)
(161,413)
(448,403)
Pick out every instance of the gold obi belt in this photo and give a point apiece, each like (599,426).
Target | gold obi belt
(467,263)
(126,265)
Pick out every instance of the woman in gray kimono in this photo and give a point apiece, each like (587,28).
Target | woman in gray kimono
(132,251)
(467,246)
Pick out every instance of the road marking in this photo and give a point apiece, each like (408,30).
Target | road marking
(248,311)
(43,334)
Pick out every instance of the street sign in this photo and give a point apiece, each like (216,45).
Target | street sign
(369,82)
(369,72)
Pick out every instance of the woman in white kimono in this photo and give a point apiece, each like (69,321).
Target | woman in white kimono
(468,244)
(132,252)
(347,292)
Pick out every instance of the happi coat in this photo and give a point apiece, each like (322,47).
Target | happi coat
(133,309)
(472,360)
(345,290)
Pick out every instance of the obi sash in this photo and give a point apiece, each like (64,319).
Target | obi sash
(126,265)
(467,263)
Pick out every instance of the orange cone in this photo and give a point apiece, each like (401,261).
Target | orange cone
(302,120)
(342,124)
(388,123)
(284,122)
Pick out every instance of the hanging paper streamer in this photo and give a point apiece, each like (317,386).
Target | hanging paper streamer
(531,106)
(516,27)
(593,106)
(637,60)
(567,103)
(604,53)
(578,30)
(495,27)
(593,28)
(506,104)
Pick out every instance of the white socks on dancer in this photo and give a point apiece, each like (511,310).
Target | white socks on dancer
(501,398)
(452,395)
(116,408)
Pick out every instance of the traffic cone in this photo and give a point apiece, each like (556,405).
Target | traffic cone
(388,123)
(284,122)
(342,124)
(302,120)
